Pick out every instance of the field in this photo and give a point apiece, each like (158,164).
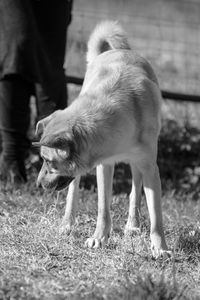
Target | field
(36,262)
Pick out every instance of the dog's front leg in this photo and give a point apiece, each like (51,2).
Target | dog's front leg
(152,189)
(103,227)
(71,204)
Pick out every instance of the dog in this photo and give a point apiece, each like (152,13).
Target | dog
(115,118)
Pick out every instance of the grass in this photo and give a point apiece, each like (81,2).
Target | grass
(38,263)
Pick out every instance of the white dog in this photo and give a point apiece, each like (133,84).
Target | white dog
(115,118)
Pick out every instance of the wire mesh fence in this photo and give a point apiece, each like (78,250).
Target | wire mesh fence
(166,32)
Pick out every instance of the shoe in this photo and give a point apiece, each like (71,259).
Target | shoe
(12,171)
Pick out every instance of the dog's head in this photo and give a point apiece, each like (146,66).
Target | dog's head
(60,149)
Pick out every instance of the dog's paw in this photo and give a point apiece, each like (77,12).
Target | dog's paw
(95,243)
(65,227)
(159,248)
(161,253)
(98,240)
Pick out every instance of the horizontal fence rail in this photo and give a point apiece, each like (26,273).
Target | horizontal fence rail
(166,94)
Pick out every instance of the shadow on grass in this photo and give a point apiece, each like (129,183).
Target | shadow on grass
(188,242)
(178,160)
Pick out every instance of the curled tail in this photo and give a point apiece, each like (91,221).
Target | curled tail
(106,36)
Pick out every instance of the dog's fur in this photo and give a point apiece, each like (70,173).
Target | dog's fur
(115,118)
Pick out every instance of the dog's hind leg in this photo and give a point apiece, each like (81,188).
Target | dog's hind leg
(133,222)
(71,205)
(152,189)
(103,227)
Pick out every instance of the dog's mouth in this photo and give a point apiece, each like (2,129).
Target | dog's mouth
(63,183)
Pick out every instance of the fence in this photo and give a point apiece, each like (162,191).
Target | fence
(166,32)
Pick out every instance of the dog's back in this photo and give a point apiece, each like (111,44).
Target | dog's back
(120,81)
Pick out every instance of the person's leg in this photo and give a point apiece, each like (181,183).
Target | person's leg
(14,124)
(48,102)
(51,92)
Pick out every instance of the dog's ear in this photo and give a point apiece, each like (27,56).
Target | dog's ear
(40,126)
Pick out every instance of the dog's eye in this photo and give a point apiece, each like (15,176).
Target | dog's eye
(62,153)
(51,166)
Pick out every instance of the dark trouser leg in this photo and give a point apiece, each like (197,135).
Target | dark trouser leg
(14,124)
(47,103)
